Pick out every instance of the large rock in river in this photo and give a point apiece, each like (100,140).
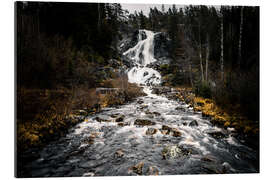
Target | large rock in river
(144,122)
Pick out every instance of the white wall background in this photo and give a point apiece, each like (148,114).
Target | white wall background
(7,88)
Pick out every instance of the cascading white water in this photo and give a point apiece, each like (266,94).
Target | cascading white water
(143,54)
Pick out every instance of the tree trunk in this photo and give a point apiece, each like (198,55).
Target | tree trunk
(221,48)
(240,37)
(206,59)
(200,52)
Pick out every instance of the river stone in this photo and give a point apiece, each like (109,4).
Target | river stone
(151,131)
(226,168)
(89,174)
(120,119)
(180,108)
(101,119)
(140,101)
(122,124)
(193,123)
(90,139)
(119,153)
(161,90)
(176,132)
(217,134)
(174,151)
(170,131)
(145,73)
(114,115)
(153,171)
(138,168)
(144,122)
(143,106)
(156,113)
(148,112)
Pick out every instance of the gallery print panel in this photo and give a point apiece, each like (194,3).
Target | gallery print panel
(111,89)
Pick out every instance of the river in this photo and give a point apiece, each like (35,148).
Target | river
(152,135)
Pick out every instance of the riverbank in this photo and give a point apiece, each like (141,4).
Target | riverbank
(45,115)
(229,116)
(153,135)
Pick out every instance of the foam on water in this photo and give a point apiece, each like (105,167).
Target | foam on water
(142,54)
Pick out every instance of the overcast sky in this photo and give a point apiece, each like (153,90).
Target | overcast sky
(146,7)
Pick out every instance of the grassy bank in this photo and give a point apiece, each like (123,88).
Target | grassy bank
(44,115)
(226,116)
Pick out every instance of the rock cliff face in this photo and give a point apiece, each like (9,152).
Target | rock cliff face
(162,47)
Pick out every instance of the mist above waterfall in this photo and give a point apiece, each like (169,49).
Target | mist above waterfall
(142,54)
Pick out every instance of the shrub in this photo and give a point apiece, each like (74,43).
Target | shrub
(203,89)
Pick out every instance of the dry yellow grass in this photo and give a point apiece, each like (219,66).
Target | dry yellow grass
(225,117)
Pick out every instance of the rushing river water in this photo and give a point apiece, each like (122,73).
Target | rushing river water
(109,148)
(150,136)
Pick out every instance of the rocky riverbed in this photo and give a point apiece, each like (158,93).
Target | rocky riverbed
(150,136)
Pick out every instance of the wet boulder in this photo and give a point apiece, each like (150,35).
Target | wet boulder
(175,132)
(161,90)
(144,122)
(115,115)
(147,112)
(193,123)
(174,151)
(156,113)
(184,123)
(151,131)
(166,130)
(172,96)
(90,139)
(143,106)
(227,168)
(140,101)
(120,119)
(99,119)
(119,153)
(180,108)
(122,124)
(145,73)
(138,168)
(217,134)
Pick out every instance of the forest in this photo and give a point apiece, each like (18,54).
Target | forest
(66,52)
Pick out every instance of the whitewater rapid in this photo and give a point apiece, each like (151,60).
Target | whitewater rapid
(111,143)
(142,54)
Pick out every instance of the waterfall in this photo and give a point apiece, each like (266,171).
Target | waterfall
(143,54)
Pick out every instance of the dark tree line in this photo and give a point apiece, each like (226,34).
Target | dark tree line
(60,42)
